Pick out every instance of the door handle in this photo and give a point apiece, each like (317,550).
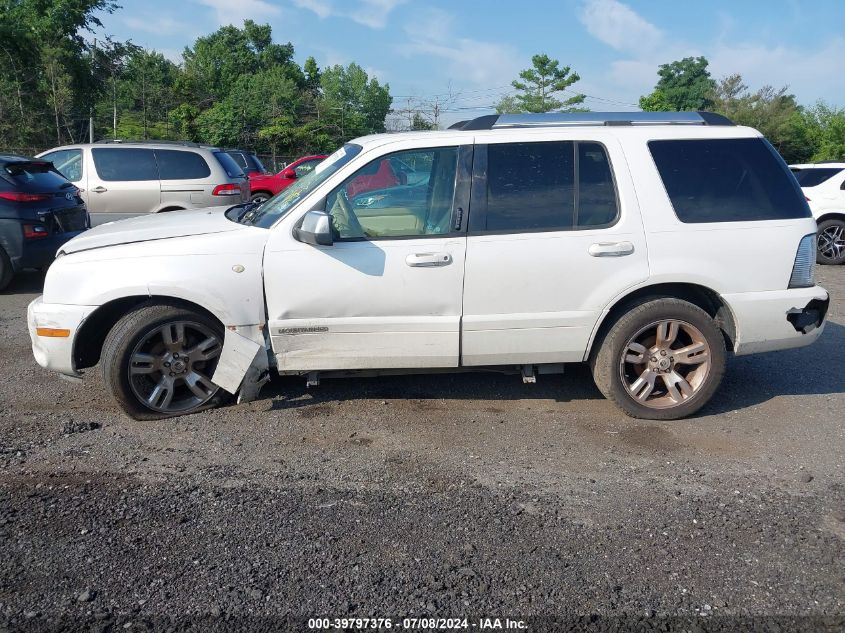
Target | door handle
(99,189)
(428,260)
(611,249)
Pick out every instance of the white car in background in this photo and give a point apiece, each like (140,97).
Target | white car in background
(824,187)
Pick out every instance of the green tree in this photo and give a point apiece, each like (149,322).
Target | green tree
(825,126)
(147,91)
(215,62)
(682,85)
(774,112)
(352,103)
(539,86)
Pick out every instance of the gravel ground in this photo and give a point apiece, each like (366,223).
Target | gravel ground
(468,495)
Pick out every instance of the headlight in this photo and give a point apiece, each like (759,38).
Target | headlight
(804,268)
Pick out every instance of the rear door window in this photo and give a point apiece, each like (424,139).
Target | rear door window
(125,164)
(549,186)
(727,180)
(181,165)
(68,162)
(815,176)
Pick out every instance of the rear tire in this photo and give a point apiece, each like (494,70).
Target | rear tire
(6,272)
(158,361)
(661,360)
(830,245)
(259,198)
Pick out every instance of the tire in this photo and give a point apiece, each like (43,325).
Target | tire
(644,370)
(140,367)
(831,242)
(259,197)
(6,272)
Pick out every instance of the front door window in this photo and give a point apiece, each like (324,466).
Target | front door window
(381,201)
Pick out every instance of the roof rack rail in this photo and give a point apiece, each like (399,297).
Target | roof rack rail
(575,119)
(119,141)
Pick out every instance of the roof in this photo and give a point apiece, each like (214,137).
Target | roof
(825,164)
(15,158)
(567,119)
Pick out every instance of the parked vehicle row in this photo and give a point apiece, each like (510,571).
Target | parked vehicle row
(265,185)
(824,187)
(121,180)
(39,211)
(645,244)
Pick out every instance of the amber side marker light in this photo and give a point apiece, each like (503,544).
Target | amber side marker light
(52,332)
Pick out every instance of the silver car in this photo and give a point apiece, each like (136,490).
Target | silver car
(119,180)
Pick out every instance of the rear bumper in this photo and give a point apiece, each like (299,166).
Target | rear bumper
(776,320)
(55,353)
(41,252)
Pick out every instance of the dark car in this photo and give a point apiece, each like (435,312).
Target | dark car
(247,161)
(39,211)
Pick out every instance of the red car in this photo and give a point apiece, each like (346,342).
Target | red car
(265,186)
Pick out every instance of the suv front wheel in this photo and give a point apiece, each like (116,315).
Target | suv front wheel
(158,361)
(661,360)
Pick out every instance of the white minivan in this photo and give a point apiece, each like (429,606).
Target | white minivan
(646,244)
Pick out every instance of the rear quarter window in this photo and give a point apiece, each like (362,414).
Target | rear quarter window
(815,176)
(727,180)
(233,170)
(181,165)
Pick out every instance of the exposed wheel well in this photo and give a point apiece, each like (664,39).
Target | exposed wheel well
(166,209)
(835,215)
(88,343)
(264,191)
(701,296)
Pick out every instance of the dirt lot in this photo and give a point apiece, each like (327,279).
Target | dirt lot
(465,495)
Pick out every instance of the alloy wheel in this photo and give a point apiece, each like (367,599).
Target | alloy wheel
(832,242)
(665,363)
(170,368)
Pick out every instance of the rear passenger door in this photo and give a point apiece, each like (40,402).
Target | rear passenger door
(554,236)
(184,179)
(123,183)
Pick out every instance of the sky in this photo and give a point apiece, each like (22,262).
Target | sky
(464,54)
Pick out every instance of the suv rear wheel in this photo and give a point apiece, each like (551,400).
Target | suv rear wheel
(831,242)
(158,361)
(661,360)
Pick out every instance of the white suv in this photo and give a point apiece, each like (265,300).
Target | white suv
(647,244)
(824,186)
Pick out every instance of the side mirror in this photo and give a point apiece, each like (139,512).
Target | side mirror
(316,229)
(289,173)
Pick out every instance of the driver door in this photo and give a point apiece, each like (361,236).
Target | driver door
(388,292)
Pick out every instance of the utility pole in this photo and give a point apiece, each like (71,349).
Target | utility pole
(91,112)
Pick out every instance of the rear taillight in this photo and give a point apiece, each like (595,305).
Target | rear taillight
(17,196)
(227,190)
(804,269)
(35,231)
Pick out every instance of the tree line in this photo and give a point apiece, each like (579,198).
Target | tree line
(237,87)
(800,133)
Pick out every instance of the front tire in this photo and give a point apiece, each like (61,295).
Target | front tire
(158,361)
(831,242)
(661,360)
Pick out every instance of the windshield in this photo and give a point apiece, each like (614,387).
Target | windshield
(276,207)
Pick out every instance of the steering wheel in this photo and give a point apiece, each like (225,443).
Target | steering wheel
(352,222)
